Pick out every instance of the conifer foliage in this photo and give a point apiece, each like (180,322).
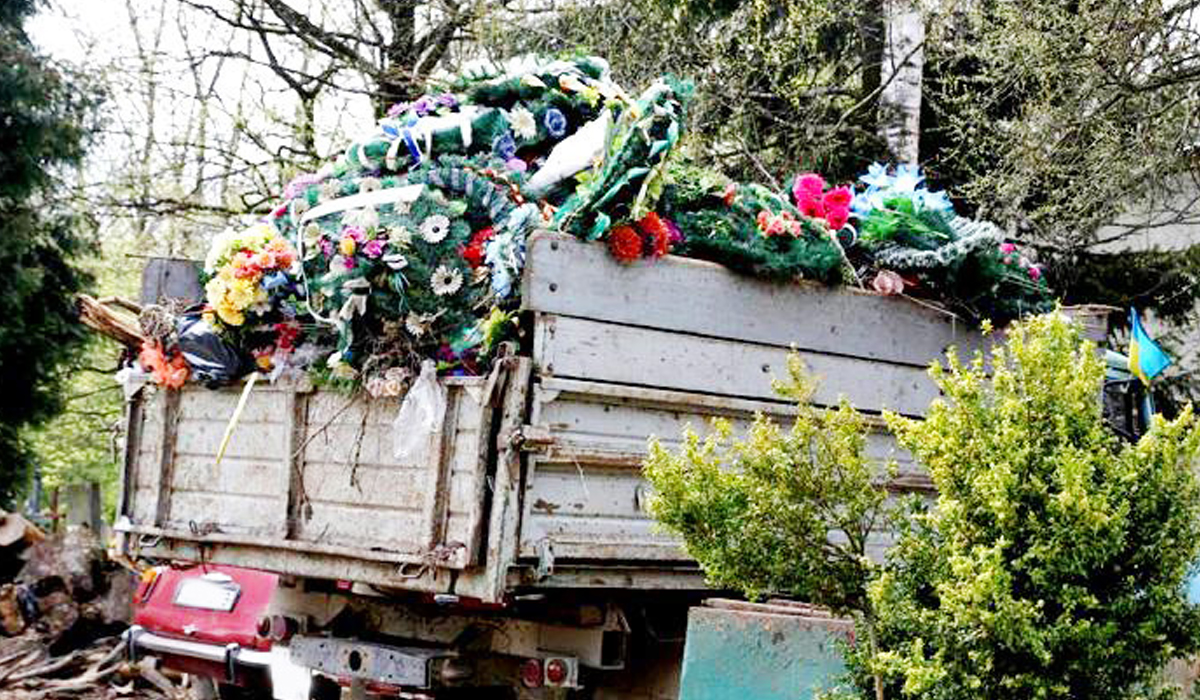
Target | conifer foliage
(44,126)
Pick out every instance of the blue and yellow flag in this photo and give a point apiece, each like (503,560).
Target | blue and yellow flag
(1146,359)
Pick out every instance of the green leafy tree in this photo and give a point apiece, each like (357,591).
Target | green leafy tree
(1053,563)
(45,116)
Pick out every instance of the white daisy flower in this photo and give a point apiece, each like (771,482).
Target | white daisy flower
(369,184)
(299,206)
(445,281)
(523,123)
(435,228)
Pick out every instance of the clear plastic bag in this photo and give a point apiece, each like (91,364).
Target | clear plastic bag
(418,424)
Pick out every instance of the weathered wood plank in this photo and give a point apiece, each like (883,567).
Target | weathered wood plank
(584,349)
(568,277)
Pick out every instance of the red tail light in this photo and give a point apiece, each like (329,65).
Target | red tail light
(531,673)
(556,672)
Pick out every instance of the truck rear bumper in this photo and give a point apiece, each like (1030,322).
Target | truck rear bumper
(228,664)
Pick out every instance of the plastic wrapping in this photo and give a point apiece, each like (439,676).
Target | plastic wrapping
(418,424)
(212,360)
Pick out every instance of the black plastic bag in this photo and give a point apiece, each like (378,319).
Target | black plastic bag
(211,359)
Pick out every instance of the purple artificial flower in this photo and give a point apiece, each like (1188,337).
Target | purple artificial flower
(516,165)
(674,233)
(447,100)
(397,109)
(504,147)
(374,248)
(556,123)
(327,247)
(423,106)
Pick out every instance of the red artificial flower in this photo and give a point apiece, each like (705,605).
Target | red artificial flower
(837,217)
(730,194)
(474,252)
(838,198)
(624,243)
(657,235)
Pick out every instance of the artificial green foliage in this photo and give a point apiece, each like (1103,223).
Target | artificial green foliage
(1052,565)
(628,181)
(721,225)
(757,512)
(45,116)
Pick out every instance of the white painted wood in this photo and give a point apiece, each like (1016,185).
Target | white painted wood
(568,277)
(584,349)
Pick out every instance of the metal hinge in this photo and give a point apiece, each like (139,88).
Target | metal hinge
(534,438)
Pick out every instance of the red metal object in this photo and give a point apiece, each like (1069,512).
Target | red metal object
(157,611)
(531,673)
(556,672)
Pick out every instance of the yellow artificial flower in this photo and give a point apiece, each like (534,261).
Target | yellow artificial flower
(346,247)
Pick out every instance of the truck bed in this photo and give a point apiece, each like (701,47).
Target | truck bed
(538,483)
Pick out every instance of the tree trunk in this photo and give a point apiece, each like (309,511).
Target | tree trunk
(903,61)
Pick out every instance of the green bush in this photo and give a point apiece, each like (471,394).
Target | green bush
(1051,565)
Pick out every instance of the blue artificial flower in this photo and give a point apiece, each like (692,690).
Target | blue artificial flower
(556,123)
(908,178)
(391,130)
(273,280)
(504,146)
(864,202)
(877,176)
(935,201)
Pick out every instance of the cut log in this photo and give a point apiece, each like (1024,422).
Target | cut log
(95,314)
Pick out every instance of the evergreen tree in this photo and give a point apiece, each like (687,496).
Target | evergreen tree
(45,117)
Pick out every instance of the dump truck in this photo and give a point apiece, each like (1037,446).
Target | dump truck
(520,559)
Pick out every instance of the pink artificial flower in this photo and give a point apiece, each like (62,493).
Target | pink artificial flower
(355,233)
(837,217)
(327,247)
(373,248)
(1035,272)
(808,186)
(1007,248)
(280,211)
(811,207)
(838,198)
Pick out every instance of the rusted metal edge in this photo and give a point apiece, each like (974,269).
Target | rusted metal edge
(607,392)
(133,442)
(219,538)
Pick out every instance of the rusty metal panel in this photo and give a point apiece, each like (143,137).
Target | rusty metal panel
(171,279)
(765,652)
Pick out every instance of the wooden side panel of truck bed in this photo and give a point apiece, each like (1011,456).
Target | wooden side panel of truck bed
(622,353)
